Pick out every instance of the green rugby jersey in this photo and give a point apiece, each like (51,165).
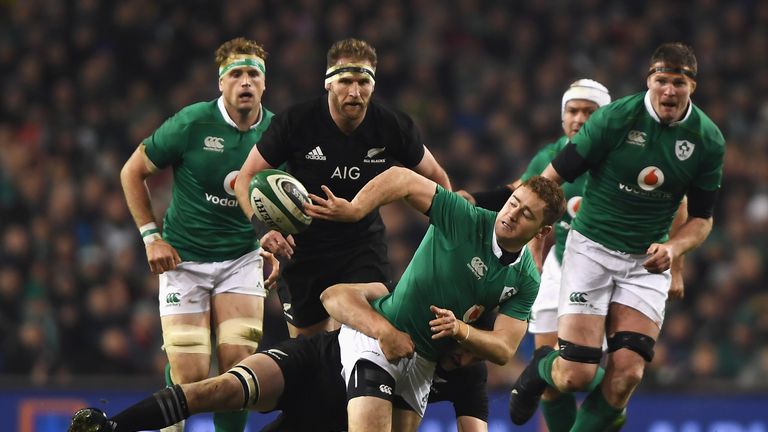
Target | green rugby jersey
(640,170)
(457,267)
(202,143)
(573,191)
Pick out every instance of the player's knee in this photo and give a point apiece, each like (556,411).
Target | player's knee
(249,383)
(370,379)
(582,367)
(638,343)
(240,331)
(187,339)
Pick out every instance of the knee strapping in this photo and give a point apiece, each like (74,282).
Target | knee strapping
(188,339)
(250,384)
(637,342)
(240,331)
(579,353)
(369,379)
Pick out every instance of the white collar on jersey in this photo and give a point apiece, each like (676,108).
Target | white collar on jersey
(652,113)
(228,119)
(497,250)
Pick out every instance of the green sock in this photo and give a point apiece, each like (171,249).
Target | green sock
(559,413)
(545,367)
(168,380)
(595,413)
(232,421)
(596,380)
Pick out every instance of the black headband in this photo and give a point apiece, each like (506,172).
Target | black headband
(687,72)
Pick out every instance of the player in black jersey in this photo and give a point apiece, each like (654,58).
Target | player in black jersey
(302,378)
(341,139)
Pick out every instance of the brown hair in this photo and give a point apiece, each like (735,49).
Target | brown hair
(675,55)
(552,195)
(238,46)
(354,49)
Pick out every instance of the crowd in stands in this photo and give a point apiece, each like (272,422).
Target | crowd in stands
(83,82)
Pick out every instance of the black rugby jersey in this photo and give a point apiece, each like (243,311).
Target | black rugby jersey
(306,142)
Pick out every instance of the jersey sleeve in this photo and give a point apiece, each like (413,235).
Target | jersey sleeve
(590,141)
(273,145)
(452,214)
(167,144)
(711,174)
(409,151)
(539,163)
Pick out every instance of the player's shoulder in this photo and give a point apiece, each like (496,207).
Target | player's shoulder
(200,111)
(622,107)
(707,128)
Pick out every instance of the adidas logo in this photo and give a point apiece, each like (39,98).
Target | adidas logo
(212,143)
(315,154)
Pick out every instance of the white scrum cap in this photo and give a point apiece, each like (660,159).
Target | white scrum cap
(586,89)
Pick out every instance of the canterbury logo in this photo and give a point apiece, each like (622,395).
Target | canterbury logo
(315,154)
(385,389)
(212,143)
(172,298)
(578,297)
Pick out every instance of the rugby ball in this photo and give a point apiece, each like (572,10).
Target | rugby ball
(277,199)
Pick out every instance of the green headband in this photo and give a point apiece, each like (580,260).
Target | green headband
(247,61)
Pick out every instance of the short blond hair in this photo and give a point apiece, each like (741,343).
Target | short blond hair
(354,49)
(239,45)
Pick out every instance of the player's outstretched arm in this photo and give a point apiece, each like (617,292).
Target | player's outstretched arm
(349,304)
(429,168)
(391,185)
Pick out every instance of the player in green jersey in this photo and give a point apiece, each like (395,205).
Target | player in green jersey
(644,153)
(208,258)
(470,260)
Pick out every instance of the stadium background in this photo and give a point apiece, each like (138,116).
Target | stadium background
(83,82)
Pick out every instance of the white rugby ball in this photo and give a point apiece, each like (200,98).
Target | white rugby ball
(277,199)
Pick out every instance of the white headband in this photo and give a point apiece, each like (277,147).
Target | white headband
(586,89)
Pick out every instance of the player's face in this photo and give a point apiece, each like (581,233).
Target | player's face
(521,218)
(576,113)
(242,89)
(670,94)
(349,96)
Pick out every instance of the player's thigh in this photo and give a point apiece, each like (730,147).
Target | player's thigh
(239,326)
(544,309)
(643,291)
(187,343)
(405,420)
(368,413)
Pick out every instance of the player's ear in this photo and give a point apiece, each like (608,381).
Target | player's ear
(328,87)
(221,84)
(544,231)
(693,85)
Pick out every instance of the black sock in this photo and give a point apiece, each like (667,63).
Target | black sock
(164,408)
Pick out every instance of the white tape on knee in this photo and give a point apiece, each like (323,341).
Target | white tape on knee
(240,331)
(250,384)
(187,339)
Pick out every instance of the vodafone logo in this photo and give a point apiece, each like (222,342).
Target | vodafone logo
(650,178)
(229,182)
(573,206)
(473,313)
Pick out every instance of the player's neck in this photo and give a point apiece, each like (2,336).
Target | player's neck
(244,120)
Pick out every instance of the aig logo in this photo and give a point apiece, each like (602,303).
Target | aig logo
(650,178)
(346,173)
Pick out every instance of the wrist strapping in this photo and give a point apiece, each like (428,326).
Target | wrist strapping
(466,338)
(149,233)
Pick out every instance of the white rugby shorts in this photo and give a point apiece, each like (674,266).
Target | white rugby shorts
(189,288)
(594,276)
(544,309)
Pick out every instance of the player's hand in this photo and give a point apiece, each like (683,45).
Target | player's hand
(467,196)
(445,323)
(677,288)
(331,207)
(161,257)
(660,258)
(274,264)
(396,345)
(275,243)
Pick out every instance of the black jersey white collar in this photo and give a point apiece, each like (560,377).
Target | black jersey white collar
(497,250)
(228,119)
(652,112)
